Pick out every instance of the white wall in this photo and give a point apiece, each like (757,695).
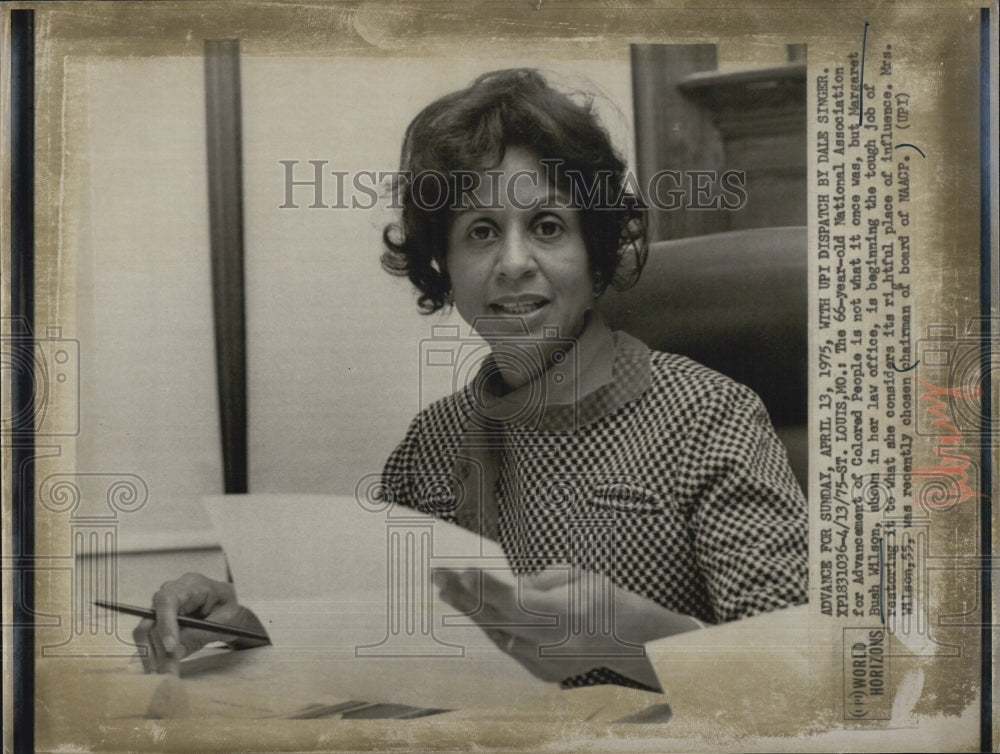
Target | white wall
(144,317)
(333,341)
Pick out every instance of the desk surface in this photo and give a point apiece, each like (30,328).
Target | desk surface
(756,685)
(770,683)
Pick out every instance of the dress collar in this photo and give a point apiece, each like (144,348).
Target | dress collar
(598,372)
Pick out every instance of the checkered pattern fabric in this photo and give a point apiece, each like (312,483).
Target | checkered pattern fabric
(682,493)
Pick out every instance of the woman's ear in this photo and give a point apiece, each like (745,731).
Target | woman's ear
(597,284)
(438,265)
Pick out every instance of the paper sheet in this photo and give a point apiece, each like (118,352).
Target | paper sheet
(346,596)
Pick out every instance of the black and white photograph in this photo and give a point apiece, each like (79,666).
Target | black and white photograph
(513,377)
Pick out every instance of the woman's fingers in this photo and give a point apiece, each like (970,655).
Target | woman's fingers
(493,604)
(497,591)
(564,607)
(166,662)
(473,592)
(141,637)
(501,609)
(155,658)
(165,603)
(453,590)
(596,623)
(551,578)
(166,644)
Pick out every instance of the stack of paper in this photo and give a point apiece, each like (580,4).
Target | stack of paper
(346,596)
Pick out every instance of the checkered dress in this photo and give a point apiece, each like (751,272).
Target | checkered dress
(669,479)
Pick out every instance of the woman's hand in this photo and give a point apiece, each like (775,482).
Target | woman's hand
(166,644)
(597,624)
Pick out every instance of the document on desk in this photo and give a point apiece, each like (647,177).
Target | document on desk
(346,596)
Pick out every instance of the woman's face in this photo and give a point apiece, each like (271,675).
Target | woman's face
(517,260)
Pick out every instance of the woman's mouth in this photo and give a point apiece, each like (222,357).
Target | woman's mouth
(518,307)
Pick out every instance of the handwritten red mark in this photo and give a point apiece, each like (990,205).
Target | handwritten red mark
(953,465)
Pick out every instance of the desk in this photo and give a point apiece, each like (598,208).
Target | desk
(763,684)
(769,683)
(243,700)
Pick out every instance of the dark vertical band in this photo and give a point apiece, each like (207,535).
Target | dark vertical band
(225,203)
(660,108)
(22,346)
(986,273)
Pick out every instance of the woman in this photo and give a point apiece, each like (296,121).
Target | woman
(622,483)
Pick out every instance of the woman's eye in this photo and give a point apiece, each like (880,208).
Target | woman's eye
(548,228)
(481,233)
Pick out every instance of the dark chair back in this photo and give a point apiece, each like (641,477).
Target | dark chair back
(737,303)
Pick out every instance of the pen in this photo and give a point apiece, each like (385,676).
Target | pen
(185,621)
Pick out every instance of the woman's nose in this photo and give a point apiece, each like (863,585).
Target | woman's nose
(516,257)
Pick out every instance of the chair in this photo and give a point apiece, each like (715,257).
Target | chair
(737,303)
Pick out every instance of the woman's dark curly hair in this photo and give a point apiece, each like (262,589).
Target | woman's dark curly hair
(469,131)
